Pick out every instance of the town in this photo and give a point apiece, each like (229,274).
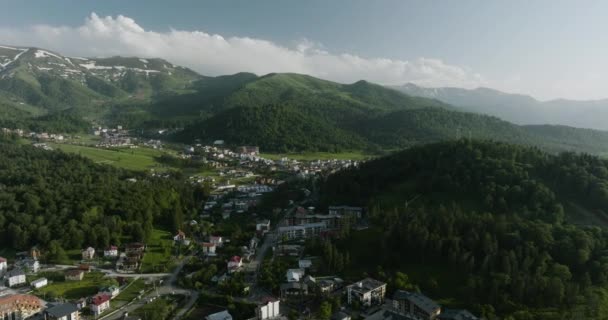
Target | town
(238,259)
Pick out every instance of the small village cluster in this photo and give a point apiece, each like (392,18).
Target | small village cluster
(16,301)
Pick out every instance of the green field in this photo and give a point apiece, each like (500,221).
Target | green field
(158,252)
(132,291)
(161,308)
(309,156)
(133,159)
(72,290)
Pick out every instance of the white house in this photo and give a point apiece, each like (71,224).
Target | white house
(15,277)
(3,266)
(100,303)
(218,241)
(368,292)
(269,309)
(304,264)
(294,275)
(30,265)
(88,253)
(113,291)
(39,283)
(111,252)
(234,264)
(262,227)
(209,248)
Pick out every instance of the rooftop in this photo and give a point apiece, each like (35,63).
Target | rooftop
(420,300)
(99,299)
(223,315)
(61,310)
(367,284)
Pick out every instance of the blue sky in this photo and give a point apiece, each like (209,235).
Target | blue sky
(549,49)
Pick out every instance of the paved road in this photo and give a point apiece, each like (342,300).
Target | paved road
(169,287)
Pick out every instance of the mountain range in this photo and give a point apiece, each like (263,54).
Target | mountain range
(45,90)
(517,108)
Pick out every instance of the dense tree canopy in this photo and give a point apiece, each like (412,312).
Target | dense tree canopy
(494,212)
(57,200)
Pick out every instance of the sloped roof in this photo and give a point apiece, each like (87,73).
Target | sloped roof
(61,310)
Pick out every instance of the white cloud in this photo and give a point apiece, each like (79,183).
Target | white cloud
(212,54)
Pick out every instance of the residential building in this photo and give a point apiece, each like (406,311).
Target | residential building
(39,283)
(388,314)
(64,311)
(356,212)
(294,275)
(292,289)
(35,253)
(81,303)
(15,277)
(251,150)
(19,306)
(135,248)
(29,265)
(180,236)
(368,292)
(222,315)
(416,304)
(100,303)
(262,227)
(218,241)
(304,264)
(234,264)
(209,248)
(304,231)
(112,291)
(3,265)
(88,253)
(111,252)
(74,275)
(457,314)
(269,309)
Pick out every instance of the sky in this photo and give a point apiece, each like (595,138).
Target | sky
(546,48)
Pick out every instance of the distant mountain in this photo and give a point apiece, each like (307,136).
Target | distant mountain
(520,109)
(36,81)
(44,90)
(293,112)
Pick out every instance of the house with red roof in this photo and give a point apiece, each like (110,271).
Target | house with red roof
(110,252)
(209,248)
(100,303)
(234,264)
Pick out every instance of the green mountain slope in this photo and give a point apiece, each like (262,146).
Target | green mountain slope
(274,127)
(494,217)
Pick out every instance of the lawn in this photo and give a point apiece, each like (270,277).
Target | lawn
(72,290)
(133,159)
(132,291)
(309,156)
(158,252)
(161,308)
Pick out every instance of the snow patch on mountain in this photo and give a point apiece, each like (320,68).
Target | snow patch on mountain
(46,54)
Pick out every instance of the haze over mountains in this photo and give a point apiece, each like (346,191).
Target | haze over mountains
(517,108)
(279,112)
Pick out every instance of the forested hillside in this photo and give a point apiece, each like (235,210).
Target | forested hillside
(492,215)
(60,201)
